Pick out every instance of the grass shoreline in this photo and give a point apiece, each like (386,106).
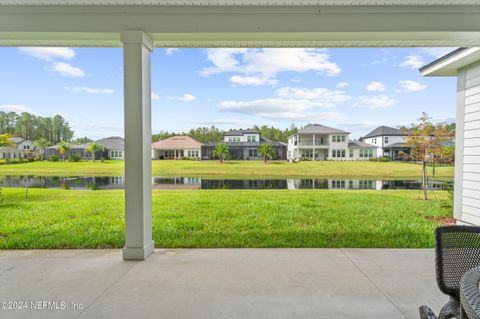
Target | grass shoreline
(55,219)
(235,169)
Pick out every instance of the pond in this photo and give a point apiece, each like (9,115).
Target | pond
(117,182)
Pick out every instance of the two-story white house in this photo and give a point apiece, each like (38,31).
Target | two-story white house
(23,144)
(320,142)
(243,145)
(389,141)
(21,148)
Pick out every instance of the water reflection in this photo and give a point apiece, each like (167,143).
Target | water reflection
(117,182)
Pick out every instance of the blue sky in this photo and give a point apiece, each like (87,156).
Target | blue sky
(348,88)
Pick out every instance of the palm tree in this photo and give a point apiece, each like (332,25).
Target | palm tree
(266,151)
(42,144)
(93,148)
(63,148)
(221,150)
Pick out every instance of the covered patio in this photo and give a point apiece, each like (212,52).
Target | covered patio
(139,26)
(223,283)
(227,283)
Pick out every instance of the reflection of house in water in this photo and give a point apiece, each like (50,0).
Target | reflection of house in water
(176,183)
(118,182)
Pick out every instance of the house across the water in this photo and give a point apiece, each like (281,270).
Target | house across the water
(391,142)
(320,142)
(177,147)
(113,149)
(21,148)
(243,145)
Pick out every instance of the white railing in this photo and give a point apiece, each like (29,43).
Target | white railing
(310,143)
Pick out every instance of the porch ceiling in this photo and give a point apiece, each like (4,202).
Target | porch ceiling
(229,23)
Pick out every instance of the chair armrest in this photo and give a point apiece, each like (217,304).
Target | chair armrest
(450,310)
(426,313)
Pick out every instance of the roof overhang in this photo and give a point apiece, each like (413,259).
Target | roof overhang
(242,23)
(449,64)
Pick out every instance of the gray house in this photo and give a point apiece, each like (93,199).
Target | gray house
(114,148)
(243,145)
(390,141)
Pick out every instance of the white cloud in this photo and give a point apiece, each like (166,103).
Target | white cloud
(278,109)
(89,90)
(341,85)
(48,54)
(375,86)
(66,69)
(291,103)
(230,122)
(322,96)
(17,108)
(375,102)
(252,80)
(296,79)
(267,63)
(413,61)
(411,86)
(170,51)
(184,98)
(155,96)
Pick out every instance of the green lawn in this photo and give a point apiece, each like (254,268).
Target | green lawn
(232,169)
(218,218)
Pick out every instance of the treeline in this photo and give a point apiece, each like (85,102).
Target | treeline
(31,127)
(214,134)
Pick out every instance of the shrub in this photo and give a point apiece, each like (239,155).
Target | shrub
(385,159)
(74,158)
(53,158)
(373,159)
(31,159)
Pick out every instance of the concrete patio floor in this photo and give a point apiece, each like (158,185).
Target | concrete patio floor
(223,283)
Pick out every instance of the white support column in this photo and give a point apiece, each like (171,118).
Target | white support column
(137,47)
(459,144)
(313,147)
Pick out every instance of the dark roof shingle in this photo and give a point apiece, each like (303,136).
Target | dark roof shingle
(385,130)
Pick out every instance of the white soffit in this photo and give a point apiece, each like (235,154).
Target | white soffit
(244,2)
(449,64)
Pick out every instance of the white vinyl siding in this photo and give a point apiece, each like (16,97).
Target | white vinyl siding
(467,203)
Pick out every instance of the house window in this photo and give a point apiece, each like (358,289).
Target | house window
(334,138)
(386,140)
(307,153)
(343,138)
(338,184)
(350,153)
(252,152)
(366,153)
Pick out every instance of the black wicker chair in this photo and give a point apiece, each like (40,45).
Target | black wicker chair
(457,250)
(470,294)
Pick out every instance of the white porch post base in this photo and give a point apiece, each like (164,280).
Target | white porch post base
(137,47)
(141,253)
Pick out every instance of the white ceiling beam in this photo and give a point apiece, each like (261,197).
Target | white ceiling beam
(267,26)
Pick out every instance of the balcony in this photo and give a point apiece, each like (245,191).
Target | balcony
(311,143)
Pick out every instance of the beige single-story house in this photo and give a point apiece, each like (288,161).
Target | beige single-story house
(177,147)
